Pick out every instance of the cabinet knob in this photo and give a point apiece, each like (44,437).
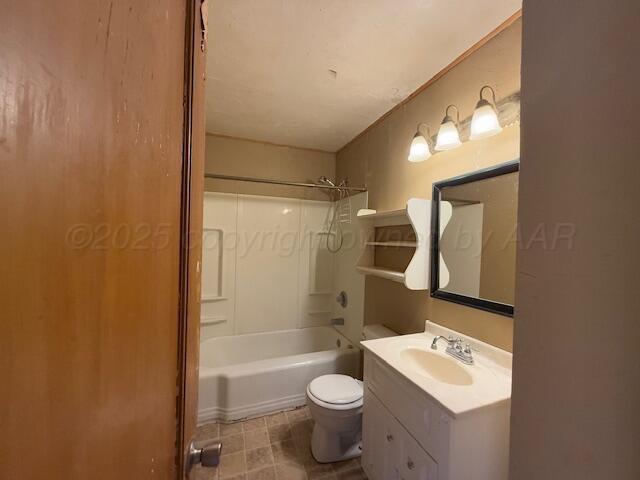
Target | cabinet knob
(389,437)
(410,464)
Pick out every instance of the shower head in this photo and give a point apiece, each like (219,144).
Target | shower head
(325,181)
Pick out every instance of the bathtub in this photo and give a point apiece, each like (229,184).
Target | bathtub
(254,374)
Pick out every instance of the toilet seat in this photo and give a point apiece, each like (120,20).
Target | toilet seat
(336,392)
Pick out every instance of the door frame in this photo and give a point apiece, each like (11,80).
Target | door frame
(192,188)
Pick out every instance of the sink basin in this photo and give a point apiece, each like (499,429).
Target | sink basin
(435,366)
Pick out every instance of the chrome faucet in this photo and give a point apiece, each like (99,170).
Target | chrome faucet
(434,344)
(454,348)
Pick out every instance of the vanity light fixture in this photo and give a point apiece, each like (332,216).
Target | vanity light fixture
(485,117)
(448,135)
(420,147)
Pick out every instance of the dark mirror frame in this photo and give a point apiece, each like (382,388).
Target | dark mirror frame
(482,304)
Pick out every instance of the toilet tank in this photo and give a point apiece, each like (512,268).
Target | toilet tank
(371,332)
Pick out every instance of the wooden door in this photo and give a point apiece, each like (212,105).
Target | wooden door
(93,185)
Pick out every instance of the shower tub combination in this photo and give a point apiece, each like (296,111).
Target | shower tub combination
(254,374)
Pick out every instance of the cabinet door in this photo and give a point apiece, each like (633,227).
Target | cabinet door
(416,464)
(381,441)
(394,444)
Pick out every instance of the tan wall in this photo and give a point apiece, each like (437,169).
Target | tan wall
(378,159)
(576,377)
(231,156)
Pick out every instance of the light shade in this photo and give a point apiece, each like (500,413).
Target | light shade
(419,151)
(484,122)
(485,118)
(448,136)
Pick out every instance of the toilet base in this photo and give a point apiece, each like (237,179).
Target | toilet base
(329,447)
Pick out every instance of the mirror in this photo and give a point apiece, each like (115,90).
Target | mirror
(474,238)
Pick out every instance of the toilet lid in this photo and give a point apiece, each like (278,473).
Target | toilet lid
(336,389)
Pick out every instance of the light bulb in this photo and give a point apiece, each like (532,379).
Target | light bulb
(419,151)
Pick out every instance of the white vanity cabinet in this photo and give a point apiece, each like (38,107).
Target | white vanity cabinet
(408,435)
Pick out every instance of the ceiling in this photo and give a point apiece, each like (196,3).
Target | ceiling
(315,73)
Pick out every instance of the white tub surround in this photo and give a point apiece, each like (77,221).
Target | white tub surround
(254,374)
(263,265)
(266,266)
(218,286)
(429,416)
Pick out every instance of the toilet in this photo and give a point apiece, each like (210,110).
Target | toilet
(335,403)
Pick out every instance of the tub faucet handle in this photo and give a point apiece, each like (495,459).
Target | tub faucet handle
(342,300)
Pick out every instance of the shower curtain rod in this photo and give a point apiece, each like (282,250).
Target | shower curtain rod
(281,182)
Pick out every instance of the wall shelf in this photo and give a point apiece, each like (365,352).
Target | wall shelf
(392,244)
(382,273)
(366,213)
(417,214)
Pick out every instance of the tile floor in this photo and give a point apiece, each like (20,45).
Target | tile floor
(274,447)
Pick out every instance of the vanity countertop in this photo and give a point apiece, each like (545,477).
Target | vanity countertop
(457,387)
